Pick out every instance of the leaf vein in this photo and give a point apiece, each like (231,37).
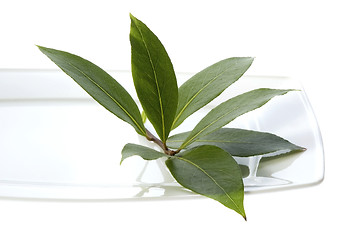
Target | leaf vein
(110,96)
(212,179)
(156,81)
(207,126)
(200,90)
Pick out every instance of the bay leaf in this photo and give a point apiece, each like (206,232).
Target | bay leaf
(206,85)
(131,149)
(212,172)
(239,142)
(154,78)
(231,109)
(99,85)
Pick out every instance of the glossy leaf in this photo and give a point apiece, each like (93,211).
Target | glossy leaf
(154,78)
(206,85)
(131,149)
(100,85)
(212,172)
(239,142)
(231,109)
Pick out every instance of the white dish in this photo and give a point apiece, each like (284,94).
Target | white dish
(58,143)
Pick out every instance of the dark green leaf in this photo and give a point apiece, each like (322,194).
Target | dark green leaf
(206,85)
(212,172)
(239,142)
(100,85)
(231,109)
(154,78)
(146,153)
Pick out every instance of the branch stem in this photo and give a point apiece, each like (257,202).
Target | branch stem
(162,145)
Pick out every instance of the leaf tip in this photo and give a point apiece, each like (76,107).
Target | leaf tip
(132,18)
(251,58)
(302,149)
(44,50)
(41,48)
(242,213)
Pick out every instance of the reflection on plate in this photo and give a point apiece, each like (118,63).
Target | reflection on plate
(58,143)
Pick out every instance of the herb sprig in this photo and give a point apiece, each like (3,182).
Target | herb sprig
(201,159)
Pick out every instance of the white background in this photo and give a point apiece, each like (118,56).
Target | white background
(315,41)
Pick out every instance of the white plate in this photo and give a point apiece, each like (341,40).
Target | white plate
(58,143)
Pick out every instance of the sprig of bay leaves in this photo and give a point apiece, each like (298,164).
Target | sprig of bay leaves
(202,159)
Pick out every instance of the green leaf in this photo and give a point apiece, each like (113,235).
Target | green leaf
(206,85)
(239,142)
(144,117)
(231,109)
(146,153)
(100,85)
(212,172)
(154,78)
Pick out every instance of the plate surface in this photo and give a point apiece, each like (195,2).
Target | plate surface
(58,143)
